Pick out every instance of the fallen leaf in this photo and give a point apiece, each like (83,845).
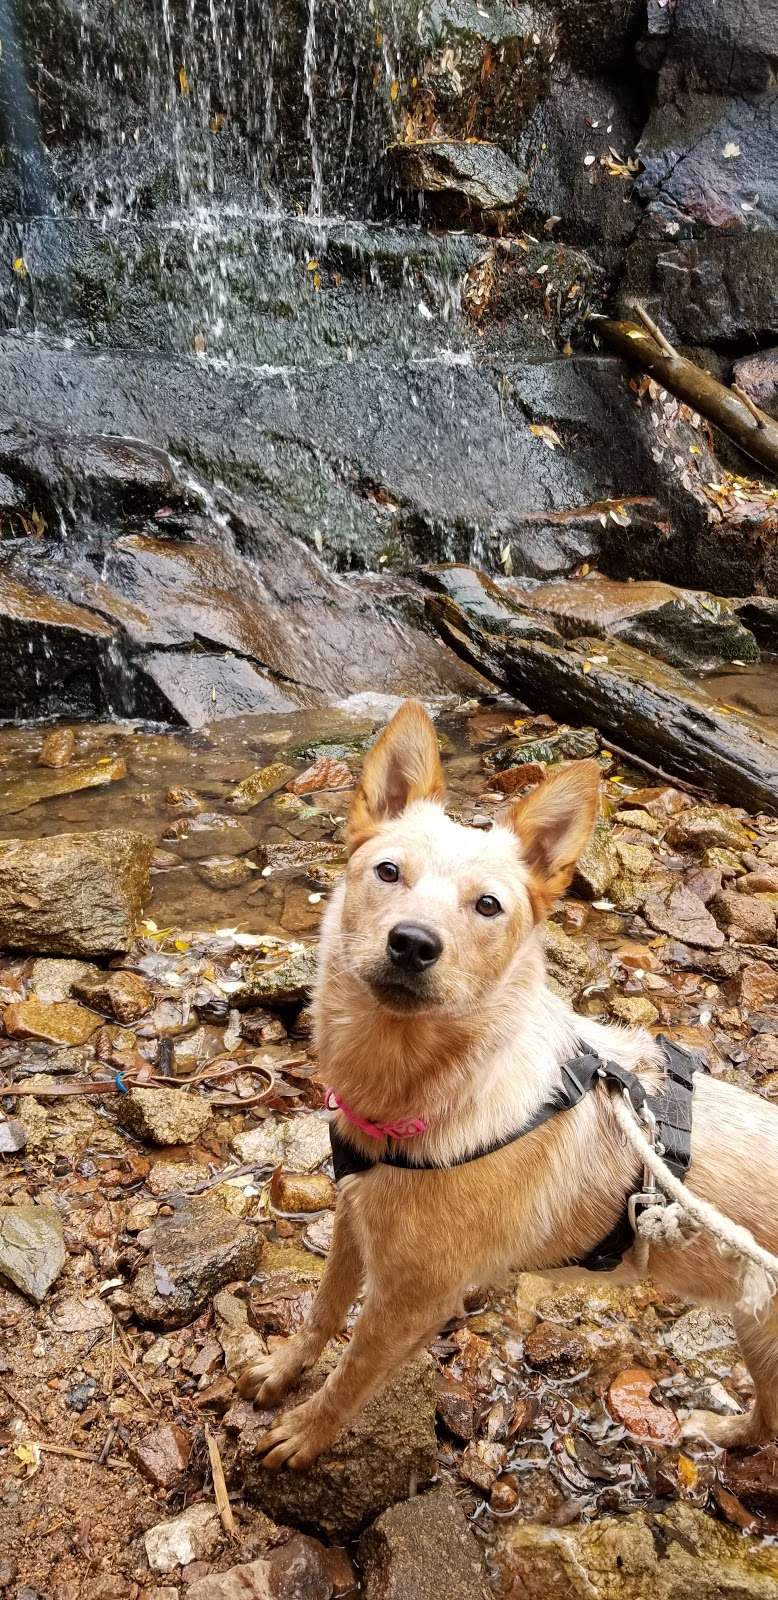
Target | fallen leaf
(394,90)
(731,150)
(20,267)
(549,435)
(183,81)
(629,1399)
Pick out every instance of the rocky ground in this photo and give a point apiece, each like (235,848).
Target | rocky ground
(166,1200)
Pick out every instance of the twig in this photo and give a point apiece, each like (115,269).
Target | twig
(109,1438)
(139,1386)
(656,332)
(219,1486)
(81,1455)
(28,1411)
(648,766)
(745,399)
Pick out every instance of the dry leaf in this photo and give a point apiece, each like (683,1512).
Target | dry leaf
(394,90)
(183,81)
(20,267)
(549,435)
(731,150)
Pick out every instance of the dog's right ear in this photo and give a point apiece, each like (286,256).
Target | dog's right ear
(402,767)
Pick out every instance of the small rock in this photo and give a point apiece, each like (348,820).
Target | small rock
(262,1146)
(482,1462)
(13,1136)
(162,1455)
(423,1549)
(456,1408)
(748,919)
(57,1021)
(683,915)
(58,748)
(763,881)
(556,1350)
(571,963)
(32,1251)
(165,1116)
(369,1466)
(297,1570)
(708,828)
(208,834)
(226,872)
(20,793)
(255,788)
(699,1331)
(634,1009)
(193,1254)
(758,986)
(189,1537)
(754,1478)
(74,894)
(177,1177)
(478,175)
(597,865)
(629,1399)
(517,778)
(306,1142)
(299,1191)
(769,853)
(325,773)
(124,996)
(238,1340)
(286,982)
(53,980)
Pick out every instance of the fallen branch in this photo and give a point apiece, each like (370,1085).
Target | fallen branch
(752,430)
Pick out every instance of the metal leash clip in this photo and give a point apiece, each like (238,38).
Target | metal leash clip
(649,1195)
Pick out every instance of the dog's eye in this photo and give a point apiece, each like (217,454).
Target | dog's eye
(387,872)
(488,906)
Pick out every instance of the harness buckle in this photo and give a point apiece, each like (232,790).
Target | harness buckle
(641,1202)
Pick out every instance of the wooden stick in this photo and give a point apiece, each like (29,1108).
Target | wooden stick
(688,382)
(81,1455)
(27,1410)
(219,1486)
(124,1373)
(656,333)
(749,404)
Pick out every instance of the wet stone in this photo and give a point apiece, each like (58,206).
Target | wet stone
(79,894)
(556,1350)
(193,1254)
(477,175)
(456,1408)
(208,834)
(19,793)
(683,916)
(423,1548)
(58,748)
(165,1116)
(54,980)
(121,995)
(367,1469)
(747,918)
(251,791)
(300,1569)
(226,872)
(287,982)
(299,1192)
(32,1253)
(57,1022)
(708,827)
(162,1455)
(758,985)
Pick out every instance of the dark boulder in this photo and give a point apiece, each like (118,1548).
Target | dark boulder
(720,289)
(472,177)
(577,147)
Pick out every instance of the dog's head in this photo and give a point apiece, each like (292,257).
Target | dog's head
(434,912)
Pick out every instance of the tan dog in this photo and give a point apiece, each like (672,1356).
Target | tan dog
(432,1002)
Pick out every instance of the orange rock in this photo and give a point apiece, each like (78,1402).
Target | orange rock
(629,1399)
(324,774)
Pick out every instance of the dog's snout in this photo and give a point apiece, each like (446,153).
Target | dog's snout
(413,947)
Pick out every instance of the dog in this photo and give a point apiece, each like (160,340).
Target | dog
(433,1013)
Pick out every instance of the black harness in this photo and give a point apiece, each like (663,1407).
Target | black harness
(671,1107)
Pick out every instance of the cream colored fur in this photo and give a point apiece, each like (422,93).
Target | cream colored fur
(475,1056)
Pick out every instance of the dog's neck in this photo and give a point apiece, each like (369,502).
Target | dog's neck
(495,1063)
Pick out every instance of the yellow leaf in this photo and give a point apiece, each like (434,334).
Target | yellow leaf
(199,343)
(587,666)
(183,81)
(20,267)
(549,436)
(394,90)
(316,281)
(688,1472)
(310,266)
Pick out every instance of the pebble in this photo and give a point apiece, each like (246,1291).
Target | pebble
(56,1021)
(32,1250)
(162,1455)
(189,1537)
(165,1116)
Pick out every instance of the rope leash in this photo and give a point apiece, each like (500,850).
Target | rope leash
(674,1226)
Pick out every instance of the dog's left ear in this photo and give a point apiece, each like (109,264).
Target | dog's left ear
(402,767)
(554,822)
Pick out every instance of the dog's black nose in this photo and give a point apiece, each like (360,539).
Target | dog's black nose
(413,946)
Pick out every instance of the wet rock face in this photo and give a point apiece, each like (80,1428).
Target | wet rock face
(75,895)
(478,178)
(368,1467)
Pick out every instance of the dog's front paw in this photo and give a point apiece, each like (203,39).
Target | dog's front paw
(270,1377)
(726,1431)
(298,1437)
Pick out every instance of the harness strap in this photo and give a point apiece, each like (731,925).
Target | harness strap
(672,1107)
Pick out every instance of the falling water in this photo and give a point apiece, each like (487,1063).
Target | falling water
(19,132)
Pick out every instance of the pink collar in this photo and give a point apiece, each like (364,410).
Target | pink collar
(410,1128)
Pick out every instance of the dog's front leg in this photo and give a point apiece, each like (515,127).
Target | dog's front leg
(270,1377)
(390,1329)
